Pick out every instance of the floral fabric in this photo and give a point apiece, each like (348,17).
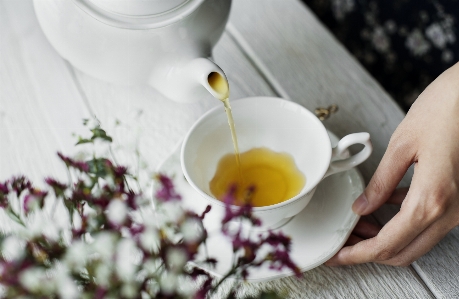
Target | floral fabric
(404,44)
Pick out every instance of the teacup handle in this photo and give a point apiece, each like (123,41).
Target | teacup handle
(339,164)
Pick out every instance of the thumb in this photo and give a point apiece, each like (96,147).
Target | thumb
(394,164)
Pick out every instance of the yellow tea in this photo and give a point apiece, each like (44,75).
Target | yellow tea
(274,176)
(220,85)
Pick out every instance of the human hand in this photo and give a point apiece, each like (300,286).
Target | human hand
(429,138)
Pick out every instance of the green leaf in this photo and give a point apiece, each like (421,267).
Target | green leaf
(83,140)
(97,167)
(99,133)
(13,216)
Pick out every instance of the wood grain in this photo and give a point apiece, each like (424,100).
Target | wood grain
(314,70)
(42,101)
(311,67)
(110,102)
(40,106)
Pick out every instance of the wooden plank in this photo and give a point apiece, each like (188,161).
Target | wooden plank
(314,70)
(311,68)
(39,105)
(38,79)
(439,268)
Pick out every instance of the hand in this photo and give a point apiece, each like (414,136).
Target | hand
(429,138)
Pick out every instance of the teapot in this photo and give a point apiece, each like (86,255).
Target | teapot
(162,43)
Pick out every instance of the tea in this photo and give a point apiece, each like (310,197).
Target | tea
(274,177)
(220,85)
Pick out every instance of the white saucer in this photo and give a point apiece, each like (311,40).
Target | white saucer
(317,232)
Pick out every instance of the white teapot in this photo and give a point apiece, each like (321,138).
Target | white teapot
(163,43)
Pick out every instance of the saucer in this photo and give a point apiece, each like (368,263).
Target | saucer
(317,232)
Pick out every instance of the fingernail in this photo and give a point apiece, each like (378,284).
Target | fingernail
(360,204)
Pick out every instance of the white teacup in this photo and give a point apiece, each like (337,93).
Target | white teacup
(279,125)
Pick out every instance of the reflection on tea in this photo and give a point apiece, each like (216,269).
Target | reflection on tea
(274,176)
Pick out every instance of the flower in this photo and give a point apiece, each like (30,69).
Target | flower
(95,237)
(436,35)
(416,43)
(167,191)
(380,40)
(117,212)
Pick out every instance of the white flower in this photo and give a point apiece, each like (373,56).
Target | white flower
(151,265)
(66,287)
(168,282)
(176,258)
(341,7)
(380,40)
(32,279)
(76,255)
(171,211)
(2,291)
(148,217)
(436,35)
(104,245)
(149,239)
(391,26)
(191,230)
(13,248)
(447,56)
(77,220)
(129,290)
(103,273)
(117,212)
(416,43)
(126,255)
(50,230)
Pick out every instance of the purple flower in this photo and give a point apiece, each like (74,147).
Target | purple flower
(278,239)
(196,272)
(4,190)
(280,259)
(34,198)
(20,184)
(58,187)
(167,191)
(82,166)
(234,212)
(207,210)
(204,289)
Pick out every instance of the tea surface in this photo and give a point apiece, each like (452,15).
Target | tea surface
(274,177)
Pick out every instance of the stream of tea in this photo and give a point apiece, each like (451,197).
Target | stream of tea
(219,84)
(273,177)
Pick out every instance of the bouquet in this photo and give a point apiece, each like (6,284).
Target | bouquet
(98,235)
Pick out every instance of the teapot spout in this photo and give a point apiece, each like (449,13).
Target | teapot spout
(211,77)
(193,82)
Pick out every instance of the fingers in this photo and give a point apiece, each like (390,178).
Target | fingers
(392,238)
(413,231)
(393,166)
(420,245)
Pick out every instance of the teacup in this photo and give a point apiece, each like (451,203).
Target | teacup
(279,125)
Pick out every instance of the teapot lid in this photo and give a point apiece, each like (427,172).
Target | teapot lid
(139,7)
(138,14)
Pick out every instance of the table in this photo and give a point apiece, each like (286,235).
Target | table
(269,48)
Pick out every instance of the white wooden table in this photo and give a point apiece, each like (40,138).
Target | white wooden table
(270,47)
